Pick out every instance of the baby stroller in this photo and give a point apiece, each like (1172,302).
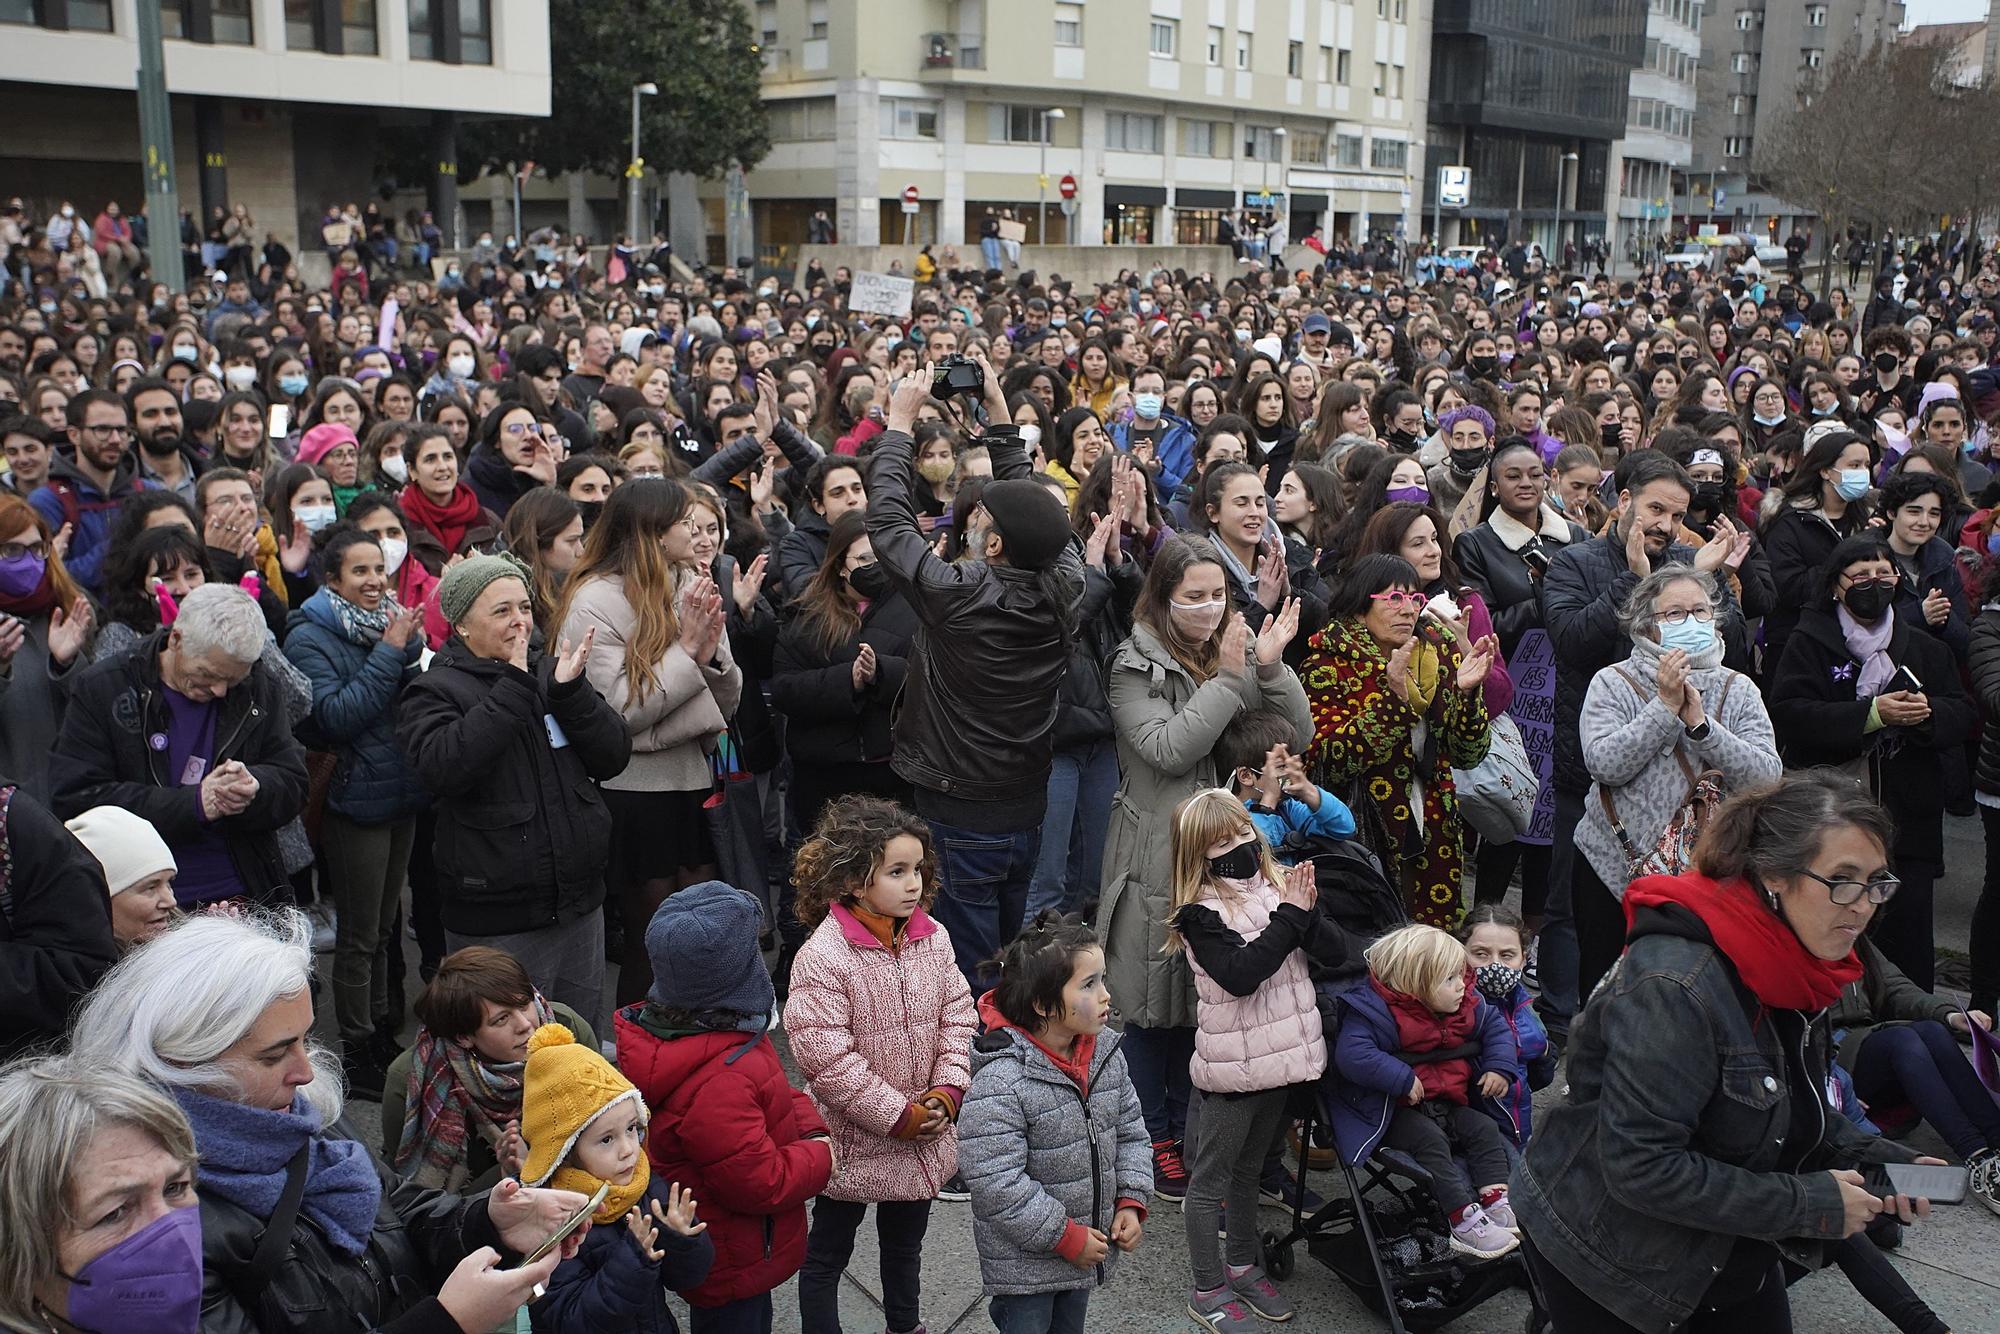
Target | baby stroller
(1387,1239)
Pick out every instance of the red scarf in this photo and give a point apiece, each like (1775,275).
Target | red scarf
(1420,1028)
(1780,971)
(449,521)
(1076,1065)
(36,602)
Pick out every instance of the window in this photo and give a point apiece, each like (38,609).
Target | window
(1295,60)
(1326,64)
(1815,16)
(908,118)
(1742,62)
(1069,25)
(1813,57)
(1388,154)
(767,21)
(1739,105)
(1243,50)
(1347,150)
(1165,38)
(1401,10)
(475,32)
(1260,143)
(816,18)
(1343,68)
(1736,145)
(1395,80)
(225,22)
(1309,147)
(1746,19)
(1016,125)
(1131,132)
(1198,138)
(1381,9)
(1215,46)
(357,27)
(801,118)
(1381,79)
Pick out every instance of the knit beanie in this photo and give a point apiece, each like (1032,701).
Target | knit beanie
(1029,519)
(464,582)
(125,845)
(705,954)
(322,440)
(563,1086)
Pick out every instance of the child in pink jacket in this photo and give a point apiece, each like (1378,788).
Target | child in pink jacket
(881,1024)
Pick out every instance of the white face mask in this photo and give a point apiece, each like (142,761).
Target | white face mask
(183,352)
(314,517)
(394,549)
(395,469)
(239,378)
(1031,436)
(460,366)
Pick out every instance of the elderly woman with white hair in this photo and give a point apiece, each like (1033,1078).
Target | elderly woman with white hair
(96,1202)
(303,1231)
(188,730)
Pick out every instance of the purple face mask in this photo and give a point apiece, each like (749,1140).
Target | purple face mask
(22,575)
(1415,495)
(151,1280)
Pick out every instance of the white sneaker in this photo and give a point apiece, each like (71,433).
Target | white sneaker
(1502,1215)
(1480,1237)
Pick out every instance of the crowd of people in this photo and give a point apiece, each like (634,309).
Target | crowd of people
(1079,721)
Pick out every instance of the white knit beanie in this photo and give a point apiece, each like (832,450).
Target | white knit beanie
(128,848)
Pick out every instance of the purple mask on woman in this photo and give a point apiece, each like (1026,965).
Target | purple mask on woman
(151,1280)
(1414,495)
(22,575)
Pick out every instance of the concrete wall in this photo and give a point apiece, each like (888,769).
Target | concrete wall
(1080,264)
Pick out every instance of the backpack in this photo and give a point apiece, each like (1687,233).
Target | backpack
(1673,852)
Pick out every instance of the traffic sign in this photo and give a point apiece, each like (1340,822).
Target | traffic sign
(1454,186)
(1068,186)
(910,195)
(1721,196)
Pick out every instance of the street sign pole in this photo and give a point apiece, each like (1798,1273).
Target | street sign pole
(156,134)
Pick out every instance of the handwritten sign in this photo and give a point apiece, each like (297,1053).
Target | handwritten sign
(882,294)
(1533,667)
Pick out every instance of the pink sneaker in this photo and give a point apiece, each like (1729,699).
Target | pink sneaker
(1478,1237)
(1501,1213)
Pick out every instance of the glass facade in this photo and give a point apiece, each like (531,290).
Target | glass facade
(1559,66)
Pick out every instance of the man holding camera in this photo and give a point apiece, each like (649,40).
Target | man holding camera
(975,734)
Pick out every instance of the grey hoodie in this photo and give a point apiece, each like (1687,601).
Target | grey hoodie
(1036,1153)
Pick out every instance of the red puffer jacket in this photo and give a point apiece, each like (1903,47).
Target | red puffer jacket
(745,1155)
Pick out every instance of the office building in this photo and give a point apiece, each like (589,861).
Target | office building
(1658,145)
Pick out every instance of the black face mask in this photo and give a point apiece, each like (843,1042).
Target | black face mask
(1710,497)
(1867,602)
(1482,365)
(589,509)
(1613,436)
(870,581)
(1403,441)
(1886,362)
(1239,863)
(1468,461)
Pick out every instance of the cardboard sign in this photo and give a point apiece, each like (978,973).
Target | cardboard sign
(882,294)
(1533,667)
(1013,231)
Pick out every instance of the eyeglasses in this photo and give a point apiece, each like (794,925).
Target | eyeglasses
(1845,893)
(1400,596)
(522,428)
(1679,617)
(1876,581)
(107,432)
(16,550)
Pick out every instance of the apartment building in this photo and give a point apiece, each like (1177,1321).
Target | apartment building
(276,103)
(1658,144)
(1162,115)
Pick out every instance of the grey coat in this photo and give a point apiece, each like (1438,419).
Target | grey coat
(1036,1154)
(1629,739)
(33,694)
(1167,727)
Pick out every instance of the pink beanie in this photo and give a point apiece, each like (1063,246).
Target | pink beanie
(323,439)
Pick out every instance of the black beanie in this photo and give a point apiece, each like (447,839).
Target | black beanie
(1029,519)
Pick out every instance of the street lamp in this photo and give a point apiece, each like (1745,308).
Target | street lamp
(636,171)
(1284,232)
(1561,168)
(1042,179)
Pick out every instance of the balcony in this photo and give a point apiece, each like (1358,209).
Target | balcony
(945,53)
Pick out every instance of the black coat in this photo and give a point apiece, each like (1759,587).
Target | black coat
(1984,660)
(1102,622)
(827,720)
(1797,542)
(1819,721)
(420,1236)
(1937,571)
(103,758)
(522,831)
(55,923)
(1512,592)
(801,551)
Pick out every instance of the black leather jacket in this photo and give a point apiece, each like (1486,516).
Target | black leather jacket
(1513,595)
(1103,620)
(420,1236)
(979,709)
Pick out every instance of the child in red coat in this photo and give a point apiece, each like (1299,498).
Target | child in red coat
(725,1123)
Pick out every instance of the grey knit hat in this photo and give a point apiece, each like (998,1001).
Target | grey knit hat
(464,582)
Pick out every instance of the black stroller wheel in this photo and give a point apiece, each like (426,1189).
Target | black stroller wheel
(1277,1257)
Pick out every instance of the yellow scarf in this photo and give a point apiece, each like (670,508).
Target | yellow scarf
(1423,676)
(621,1199)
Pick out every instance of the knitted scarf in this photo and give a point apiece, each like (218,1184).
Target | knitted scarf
(452,1088)
(449,521)
(1779,970)
(357,624)
(1869,643)
(245,1152)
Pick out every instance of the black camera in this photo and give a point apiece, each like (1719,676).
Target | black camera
(958,375)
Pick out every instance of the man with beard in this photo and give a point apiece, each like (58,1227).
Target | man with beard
(166,459)
(1582,592)
(86,485)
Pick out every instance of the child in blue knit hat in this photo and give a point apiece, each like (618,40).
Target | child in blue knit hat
(757,1150)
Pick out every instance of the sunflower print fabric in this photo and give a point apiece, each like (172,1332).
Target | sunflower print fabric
(1361,730)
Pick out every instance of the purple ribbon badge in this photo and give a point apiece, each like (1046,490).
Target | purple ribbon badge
(1843,671)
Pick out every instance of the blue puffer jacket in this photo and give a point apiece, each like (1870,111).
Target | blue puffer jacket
(355,690)
(607,1284)
(1534,1066)
(1371,1079)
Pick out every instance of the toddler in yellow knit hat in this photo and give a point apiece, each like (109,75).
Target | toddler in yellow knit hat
(585,1127)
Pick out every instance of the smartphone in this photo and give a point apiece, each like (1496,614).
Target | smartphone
(1939,1185)
(577,1219)
(1904,679)
(281,420)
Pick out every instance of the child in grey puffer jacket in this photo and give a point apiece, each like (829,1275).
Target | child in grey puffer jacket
(1051,1140)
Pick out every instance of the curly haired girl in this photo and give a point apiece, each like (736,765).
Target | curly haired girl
(881,1024)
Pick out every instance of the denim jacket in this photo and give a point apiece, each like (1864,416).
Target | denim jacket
(1673,1142)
